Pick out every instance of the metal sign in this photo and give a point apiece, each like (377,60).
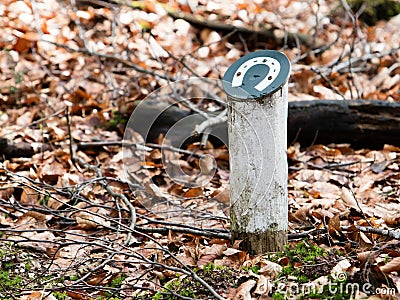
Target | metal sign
(256,75)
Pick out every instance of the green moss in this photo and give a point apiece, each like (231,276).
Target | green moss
(219,277)
(278,296)
(73,277)
(60,295)
(28,266)
(117,118)
(336,290)
(177,286)
(302,279)
(254,269)
(304,252)
(10,280)
(300,252)
(209,268)
(306,261)
(117,281)
(45,200)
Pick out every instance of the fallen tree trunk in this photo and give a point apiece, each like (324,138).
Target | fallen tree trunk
(10,148)
(361,123)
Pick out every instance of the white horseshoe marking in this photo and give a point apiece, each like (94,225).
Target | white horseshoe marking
(272,63)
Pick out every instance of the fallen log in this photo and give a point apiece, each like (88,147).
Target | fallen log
(239,33)
(9,149)
(361,123)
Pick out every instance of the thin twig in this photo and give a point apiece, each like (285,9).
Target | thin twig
(104,183)
(211,122)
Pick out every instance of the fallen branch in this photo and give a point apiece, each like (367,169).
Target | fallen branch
(237,31)
(137,146)
(384,232)
(226,235)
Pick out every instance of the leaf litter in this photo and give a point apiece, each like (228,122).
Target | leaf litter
(67,232)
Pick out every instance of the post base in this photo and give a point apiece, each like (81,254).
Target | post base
(259,243)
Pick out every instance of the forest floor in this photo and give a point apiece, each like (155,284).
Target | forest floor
(88,211)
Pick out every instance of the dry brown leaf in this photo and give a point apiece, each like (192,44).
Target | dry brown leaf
(243,291)
(41,241)
(391,266)
(231,251)
(326,190)
(38,216)
(79,295)
(30,196)
(90,221)
(300,214)
(334,224)
(209,254)
(233,258)
(303,80)
(176,189)
(194,192)
(392,219)
(365,242)
(366,256)
(25,41)
(186,258)
(270,269)
(222,195)
(36,295)
(95,279)
(207,165)
(348,198)
(85,15)
(325,93)
(340,268)
(51,172)
(263,286)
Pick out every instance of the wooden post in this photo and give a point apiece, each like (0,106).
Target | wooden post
(256,86)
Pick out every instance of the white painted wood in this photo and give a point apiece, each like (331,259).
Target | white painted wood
(258,164)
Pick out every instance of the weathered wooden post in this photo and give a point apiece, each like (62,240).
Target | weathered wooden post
(256,88)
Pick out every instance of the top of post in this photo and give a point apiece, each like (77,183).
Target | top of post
(256,75)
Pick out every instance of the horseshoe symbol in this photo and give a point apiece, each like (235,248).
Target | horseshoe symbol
(272,63)
(239,86)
